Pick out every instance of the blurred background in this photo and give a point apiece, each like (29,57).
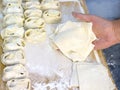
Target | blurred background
(109,9)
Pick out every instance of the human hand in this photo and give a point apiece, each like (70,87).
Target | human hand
(102,28)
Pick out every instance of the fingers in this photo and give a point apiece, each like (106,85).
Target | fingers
(82,17)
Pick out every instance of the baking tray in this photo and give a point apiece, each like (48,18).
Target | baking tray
(45,65)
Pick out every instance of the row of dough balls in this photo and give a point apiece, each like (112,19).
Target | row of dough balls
(14,74)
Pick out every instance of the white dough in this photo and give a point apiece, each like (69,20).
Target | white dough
(17,71)
(52,16)
(13,57)
(94,77)
(5,2)
(35,35)
(19,84)
(74,39)
(12,31)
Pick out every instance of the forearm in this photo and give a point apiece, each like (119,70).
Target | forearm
(116,28)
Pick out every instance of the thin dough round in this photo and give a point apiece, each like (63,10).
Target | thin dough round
(5,2)
(52,16)
(19,84)
(35,35)
(34,23)
(13,57)
(17,71)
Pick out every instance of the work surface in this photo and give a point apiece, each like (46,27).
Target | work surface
(109,9)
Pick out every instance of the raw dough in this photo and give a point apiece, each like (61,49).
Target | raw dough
(5,2)
(35,35)
(11,19)
(13,43)
(50,4)
(94,77)
(13,57)
(17,71)
(12,31)
(34,23)
(12,8)
(19,84)
(52,16)
(33,13)
(74,39)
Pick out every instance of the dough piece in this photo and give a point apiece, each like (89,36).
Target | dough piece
(32,5)
(11,19)
(17,71)
(12,31)
(50,4)
(13,57)
(94,77)
(5,2)
(52,16)
(35,35)
(13,43)
(34,23)
(74,40)
(12,8)
(33,13)
(19,84)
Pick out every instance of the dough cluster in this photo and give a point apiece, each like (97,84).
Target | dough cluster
(15,73)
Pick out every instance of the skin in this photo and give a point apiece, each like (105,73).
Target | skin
(103,29)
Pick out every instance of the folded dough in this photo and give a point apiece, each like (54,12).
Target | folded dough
(34,23)
(12,31)
(19,84)
(11,19)
(35,35)
(74,39)
(5,2)
(13,57)
(33,13)
(94,77)
(52,16)
(32,5)
(12,8)
(50,4)
(17,71)
(13,43)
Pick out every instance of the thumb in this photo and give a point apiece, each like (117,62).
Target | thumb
(82,17)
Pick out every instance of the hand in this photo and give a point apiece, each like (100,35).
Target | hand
(102,28)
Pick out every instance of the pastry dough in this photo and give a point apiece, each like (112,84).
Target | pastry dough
(50,4)
(13,57)
(11,19)
(13,43)
(12,8)
(74,39)
(33,13)
(94,77)
(35,35)
(17,71)
(12,31)
(5,2)
(32,5)
(19,84)
(34,23)
(52,16)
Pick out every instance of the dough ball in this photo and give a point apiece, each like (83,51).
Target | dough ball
(33,13)
(50,4)
(11,19)
(35,35)
(74,40)
(18,84)
(17,71)
(12,31)
(13,43)
(52,16)
(13,57)
(34,23)
(12,8)
(5,2)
